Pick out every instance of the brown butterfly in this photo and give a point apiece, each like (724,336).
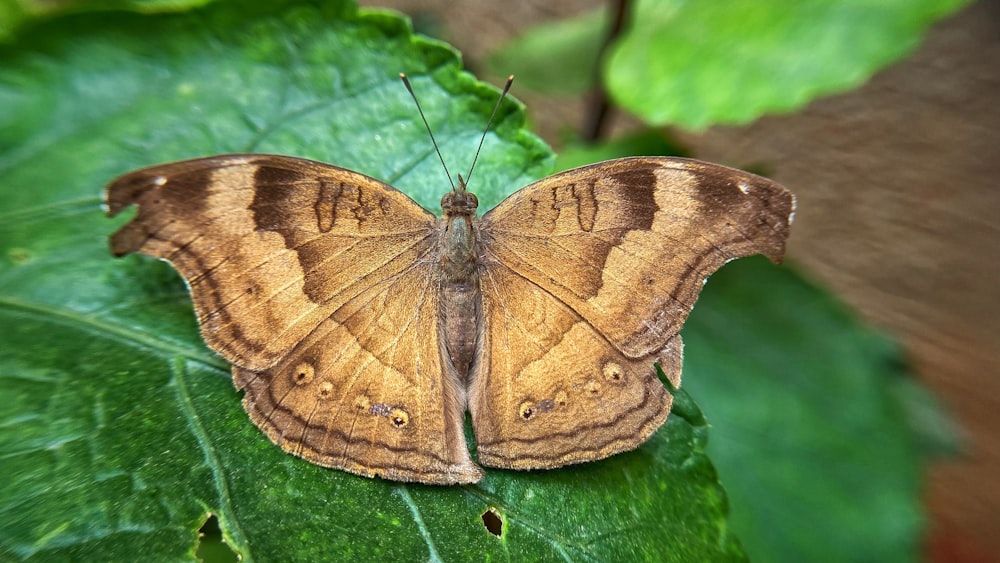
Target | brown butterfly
(362,327)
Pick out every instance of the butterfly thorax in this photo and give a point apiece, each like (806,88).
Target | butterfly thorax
(460,298)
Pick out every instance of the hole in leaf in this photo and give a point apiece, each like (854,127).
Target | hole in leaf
(493,522)
(211,547)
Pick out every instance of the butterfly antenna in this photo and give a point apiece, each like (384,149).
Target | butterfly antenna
(409,88)
(506,88)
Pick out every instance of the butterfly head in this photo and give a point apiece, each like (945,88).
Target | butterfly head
(459,201)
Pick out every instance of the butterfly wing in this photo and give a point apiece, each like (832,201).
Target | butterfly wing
(318,284)
(613,256)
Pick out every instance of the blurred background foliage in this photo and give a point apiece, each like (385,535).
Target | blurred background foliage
(818,432)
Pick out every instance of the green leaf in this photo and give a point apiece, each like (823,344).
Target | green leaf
(122,433)
(696,64)
(807,431)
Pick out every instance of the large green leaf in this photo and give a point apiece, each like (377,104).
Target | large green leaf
(122,432)
(699,63)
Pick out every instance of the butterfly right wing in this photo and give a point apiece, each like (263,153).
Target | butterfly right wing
(587,277)
(317,283)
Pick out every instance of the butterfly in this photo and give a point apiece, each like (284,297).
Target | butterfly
(361,327)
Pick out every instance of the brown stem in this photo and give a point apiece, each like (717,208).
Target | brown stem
(599,106)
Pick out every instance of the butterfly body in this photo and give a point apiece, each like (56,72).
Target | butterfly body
(361,328)
(460,262)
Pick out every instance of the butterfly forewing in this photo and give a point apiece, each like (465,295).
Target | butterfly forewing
(628,243)
(269,245)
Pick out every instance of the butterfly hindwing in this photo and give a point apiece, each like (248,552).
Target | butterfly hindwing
(367,392)
(550,390)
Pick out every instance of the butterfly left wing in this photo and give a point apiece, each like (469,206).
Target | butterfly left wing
(587,278)
(319,285)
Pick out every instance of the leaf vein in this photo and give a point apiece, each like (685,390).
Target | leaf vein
(95,325)
(227,514)
(404,494)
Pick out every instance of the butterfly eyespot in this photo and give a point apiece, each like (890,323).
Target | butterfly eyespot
(249,291)
(399,418)
(613,372)
(362,403)
(592,388)
(526,410)
(303,373)
(326,390)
